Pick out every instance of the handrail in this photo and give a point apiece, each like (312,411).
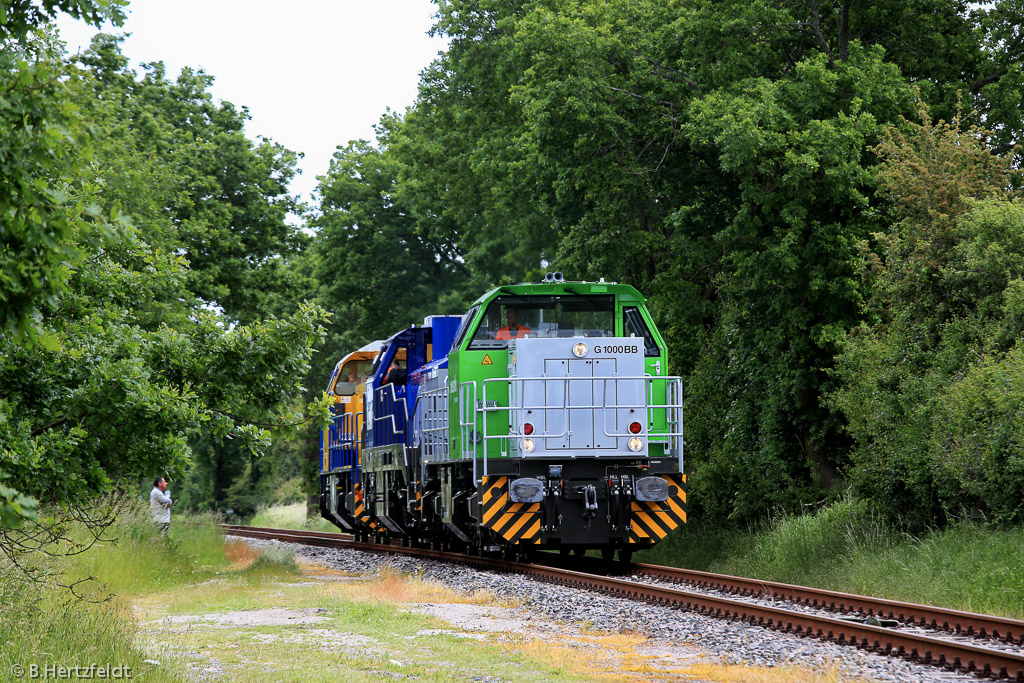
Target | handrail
(432,411)
(467,427)
(396,435)
(343,440)
(671,435)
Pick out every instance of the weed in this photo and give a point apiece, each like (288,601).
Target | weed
(42,626)
(732,673)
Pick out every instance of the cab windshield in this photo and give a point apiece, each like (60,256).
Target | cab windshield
(516,317)
(355,371)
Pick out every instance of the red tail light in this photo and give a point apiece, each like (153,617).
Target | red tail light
(527,428)
(635,427)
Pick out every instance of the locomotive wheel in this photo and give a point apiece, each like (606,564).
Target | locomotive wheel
(607,553)
(625,555)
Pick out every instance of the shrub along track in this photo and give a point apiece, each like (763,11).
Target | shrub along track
(899,641)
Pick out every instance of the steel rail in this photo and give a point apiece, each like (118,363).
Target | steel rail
(924,649)
(926,616)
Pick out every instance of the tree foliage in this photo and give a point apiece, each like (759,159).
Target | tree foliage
(145,281)
(717,155)
(213,195)
(838,282)
(22,17)
(377,269)
(930,386)
(38,134)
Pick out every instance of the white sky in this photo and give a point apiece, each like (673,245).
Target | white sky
(313,73)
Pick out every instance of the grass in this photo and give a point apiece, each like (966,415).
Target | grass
(43,625)
(967,566)
(140,558)
(40,627)
(292,516)
(731,673)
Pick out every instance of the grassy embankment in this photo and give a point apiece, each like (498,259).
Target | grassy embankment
(967,566)
(44,625)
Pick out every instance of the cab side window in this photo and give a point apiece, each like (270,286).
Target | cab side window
(467,320)
(634,325)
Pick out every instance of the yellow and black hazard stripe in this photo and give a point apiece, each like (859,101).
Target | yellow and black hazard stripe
(651,522)
(360,511)
(515,522)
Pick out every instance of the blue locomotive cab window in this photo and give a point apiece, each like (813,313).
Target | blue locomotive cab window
(515,317)
(397,373)
(634,325)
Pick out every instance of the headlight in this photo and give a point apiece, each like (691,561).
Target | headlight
(529,445)
(651,489)
(527,490)
(579,349)
(636,443)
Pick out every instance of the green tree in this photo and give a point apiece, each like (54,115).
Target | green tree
(212,195)
(465,175)
(22,17)
(131,365)
(378,272)
(714,153)
(180,165)
(928,383)
(732,191)
(40,136)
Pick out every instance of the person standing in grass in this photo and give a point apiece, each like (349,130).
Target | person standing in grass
(160,504)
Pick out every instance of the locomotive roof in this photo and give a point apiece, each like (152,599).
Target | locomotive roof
(565,287)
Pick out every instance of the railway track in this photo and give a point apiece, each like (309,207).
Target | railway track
(904,638)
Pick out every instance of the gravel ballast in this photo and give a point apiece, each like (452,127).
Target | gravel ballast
(720,640)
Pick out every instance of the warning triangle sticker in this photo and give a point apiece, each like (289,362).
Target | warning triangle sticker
(487,360)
